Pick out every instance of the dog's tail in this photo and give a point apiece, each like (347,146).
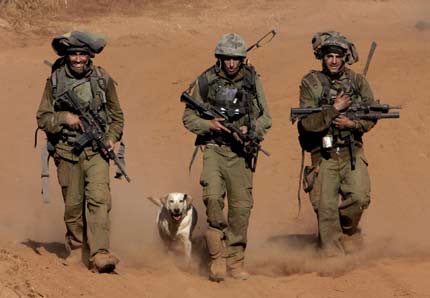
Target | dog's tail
(155,201)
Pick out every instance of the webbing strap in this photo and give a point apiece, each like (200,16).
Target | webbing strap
(45,173)
(193,157)
(299,198)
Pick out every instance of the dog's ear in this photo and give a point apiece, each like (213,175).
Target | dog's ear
(188,198)
(163,199)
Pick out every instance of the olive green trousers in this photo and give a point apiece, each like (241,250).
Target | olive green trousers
(227,174)
(339,196)
(87,201)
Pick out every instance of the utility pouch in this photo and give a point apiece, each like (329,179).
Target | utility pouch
(310,174)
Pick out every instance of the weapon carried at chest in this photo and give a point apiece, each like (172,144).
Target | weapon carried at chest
(94,128)
(354,112)
(211,112)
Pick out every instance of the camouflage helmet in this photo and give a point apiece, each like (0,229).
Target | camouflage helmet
(79,41)
(231,45)
(324,40)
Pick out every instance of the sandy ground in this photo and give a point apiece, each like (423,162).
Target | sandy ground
(154,54)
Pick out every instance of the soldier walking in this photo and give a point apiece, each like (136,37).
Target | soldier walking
(235,88)
(338,180)
(83,174)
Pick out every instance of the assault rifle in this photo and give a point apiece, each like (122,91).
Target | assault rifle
(356,111)
(94,127)
(251,143)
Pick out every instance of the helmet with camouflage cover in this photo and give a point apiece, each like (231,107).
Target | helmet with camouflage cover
(331,40)
(79,41)
(231,45)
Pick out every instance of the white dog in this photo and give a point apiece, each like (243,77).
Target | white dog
(176,220)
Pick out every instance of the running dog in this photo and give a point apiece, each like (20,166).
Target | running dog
(176,220)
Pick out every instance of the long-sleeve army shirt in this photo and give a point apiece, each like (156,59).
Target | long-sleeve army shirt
(311,93)
(200,126)
(53,122)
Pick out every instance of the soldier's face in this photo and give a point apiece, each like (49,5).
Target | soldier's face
(231,65)
(333,62)
(78,61)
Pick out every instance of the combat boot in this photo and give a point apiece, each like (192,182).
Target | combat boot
(104,262)
(74,253)
(352,244)
(333,250)
(217,265)
(235,268)
(74,257)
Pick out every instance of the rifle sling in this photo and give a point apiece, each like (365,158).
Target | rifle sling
(193,158)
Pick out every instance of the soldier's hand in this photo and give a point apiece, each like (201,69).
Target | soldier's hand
(109,147)
(110,144)
(244,130)
(73,121)
(342,101)
(343,122)
(215,124)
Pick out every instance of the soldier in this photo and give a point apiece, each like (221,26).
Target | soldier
(234,87)
(84,175)
(339,166)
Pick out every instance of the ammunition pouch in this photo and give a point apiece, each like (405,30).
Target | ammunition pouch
(309,141)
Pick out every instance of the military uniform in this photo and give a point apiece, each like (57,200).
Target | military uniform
(83,176)
(339,171)
(226,168)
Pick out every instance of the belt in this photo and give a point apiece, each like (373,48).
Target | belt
(338,152)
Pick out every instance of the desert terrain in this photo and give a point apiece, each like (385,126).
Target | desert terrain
(155,50)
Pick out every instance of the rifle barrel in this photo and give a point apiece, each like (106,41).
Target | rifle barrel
(304,111)
(376,116)
(119,164)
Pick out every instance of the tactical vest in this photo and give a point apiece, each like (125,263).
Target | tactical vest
(235,99)
(324,91)
(92,93)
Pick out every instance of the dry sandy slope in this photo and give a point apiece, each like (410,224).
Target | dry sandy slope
(154,56)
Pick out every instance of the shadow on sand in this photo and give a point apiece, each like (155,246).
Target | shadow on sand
(56,248)
(295,241)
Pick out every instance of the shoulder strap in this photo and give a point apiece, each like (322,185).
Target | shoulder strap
(203,86)
(57,79)
(319,85)
(98,81)
(58,64)
(54,84)
(353,78)
(249,83)
(325,84)
(250,75)
(203,82)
